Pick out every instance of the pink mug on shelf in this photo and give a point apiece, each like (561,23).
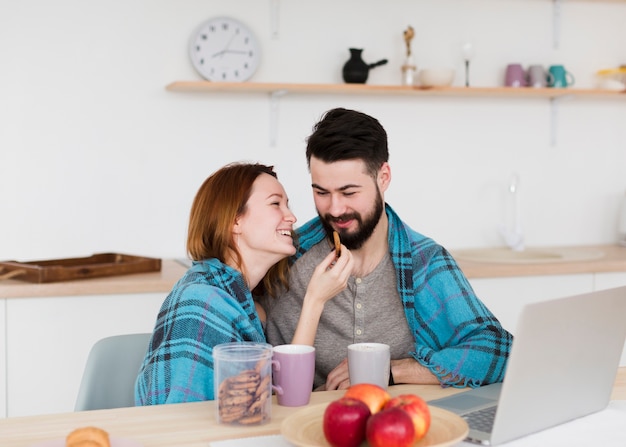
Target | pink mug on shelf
(515,76)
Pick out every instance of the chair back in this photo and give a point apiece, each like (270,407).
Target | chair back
(110,373)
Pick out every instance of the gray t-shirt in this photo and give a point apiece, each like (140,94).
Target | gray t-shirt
(368,310)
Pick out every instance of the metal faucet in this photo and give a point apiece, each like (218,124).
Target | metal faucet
(512,230)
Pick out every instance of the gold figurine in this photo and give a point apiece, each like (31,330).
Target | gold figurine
(409,68)
(409,33)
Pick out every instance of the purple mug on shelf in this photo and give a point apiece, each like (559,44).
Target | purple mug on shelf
(515,76)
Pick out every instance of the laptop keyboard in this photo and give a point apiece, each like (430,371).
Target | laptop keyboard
(481,420)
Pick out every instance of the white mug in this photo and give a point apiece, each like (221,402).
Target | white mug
(369,363)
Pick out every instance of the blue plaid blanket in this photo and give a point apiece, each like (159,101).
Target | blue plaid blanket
(456,337)
(209,305)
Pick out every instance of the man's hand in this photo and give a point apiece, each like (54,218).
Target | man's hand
(338,378)
(404,371)
(410,371)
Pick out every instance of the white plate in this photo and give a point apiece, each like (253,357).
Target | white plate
(304,428)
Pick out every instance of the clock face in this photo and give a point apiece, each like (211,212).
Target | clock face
(224,49)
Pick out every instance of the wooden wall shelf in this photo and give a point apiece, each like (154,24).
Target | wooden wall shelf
(276,90)
(397,90)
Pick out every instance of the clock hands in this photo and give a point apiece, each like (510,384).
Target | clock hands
(221,53)
(226,48)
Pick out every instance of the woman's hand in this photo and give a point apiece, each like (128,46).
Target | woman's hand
(329,278)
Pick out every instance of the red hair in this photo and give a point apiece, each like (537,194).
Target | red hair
(221,199)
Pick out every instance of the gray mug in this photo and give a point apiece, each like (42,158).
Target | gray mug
(369,363)
(538,77)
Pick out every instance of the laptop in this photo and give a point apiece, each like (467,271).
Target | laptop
(562,366)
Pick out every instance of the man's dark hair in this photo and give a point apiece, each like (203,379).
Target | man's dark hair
(344,134)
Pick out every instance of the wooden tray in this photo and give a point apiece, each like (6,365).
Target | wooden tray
(97,265)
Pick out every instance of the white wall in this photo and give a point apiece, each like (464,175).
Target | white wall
(95,154)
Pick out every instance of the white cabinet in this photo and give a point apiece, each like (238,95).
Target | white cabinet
(3,361)
(506,297)
(48,340)
(609,280)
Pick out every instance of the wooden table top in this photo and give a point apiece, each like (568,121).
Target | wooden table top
(186,425)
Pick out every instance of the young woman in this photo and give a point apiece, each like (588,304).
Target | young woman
(240,236)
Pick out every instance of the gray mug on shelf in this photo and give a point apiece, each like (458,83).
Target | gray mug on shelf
(538,77)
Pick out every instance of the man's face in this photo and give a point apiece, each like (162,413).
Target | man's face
(348,199)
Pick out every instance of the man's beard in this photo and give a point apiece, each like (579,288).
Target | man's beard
(365,228)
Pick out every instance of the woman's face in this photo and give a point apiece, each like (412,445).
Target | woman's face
(265,227)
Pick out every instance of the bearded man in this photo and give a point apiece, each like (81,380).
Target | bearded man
(405,289)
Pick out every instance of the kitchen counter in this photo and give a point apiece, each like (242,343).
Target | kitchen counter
(57,324)
(153,282)
(612,260)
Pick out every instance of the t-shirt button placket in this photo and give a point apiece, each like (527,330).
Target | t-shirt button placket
(359,315)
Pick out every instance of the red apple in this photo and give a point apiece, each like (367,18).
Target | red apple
(392,427)
(372,395)
(417,408)
(344,422)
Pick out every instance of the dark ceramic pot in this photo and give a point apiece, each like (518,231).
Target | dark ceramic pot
(355,70)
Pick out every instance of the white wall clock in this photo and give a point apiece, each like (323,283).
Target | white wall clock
(224,49)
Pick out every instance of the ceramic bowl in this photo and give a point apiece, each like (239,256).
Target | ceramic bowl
(436,77)
(611,84)
(612,78)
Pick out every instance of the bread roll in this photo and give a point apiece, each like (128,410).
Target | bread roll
(88,437)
